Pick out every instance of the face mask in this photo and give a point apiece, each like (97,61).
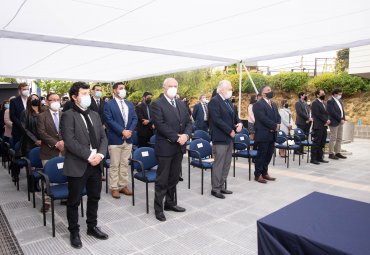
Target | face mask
(206,101)
(122,93)
(148,101)
(25,93)
(85,102)
(55,106)
(229,94)
(203,100)
(171,92)
(43,102)
(6,106)
(286,105)
(322,97)
(338,97)
(305,98)
(270,94)
(35,102)
(98,93)
(233,100)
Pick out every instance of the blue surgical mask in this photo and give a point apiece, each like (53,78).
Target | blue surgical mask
(85,102)
(6,106)
(98,93)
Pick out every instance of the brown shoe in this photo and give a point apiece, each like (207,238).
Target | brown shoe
(125,191)
(103,179)
(267,177)
(45,208)
(260,179)
(115,194)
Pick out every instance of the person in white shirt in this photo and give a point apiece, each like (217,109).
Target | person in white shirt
(286,121)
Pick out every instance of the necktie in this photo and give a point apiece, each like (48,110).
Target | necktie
(56,120)
(227,103)
(205,111)
(147,110)
(173,103)
(123,113)
(98,103)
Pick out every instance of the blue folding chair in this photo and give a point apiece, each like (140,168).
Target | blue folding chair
(143,168)
(17,162)
(135,140)
(302,140)
(199,156)
(281,142)
(242,150)
(246,132)
(152,140)
(34,165)
(201,134)
(56,185)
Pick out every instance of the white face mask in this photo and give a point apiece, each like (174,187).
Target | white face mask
(55,106)
(122,93)
(229,94)
(85,102)
(25,93)
(171,92)
(338,97)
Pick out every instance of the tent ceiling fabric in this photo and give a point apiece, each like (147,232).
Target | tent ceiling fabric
(107,40)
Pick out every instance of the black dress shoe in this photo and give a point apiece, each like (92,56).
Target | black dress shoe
(174,208)
(97,233)
(323,161)
(227,192)
(217,194)
(338,155)
(315,162)
(332,156)
(181,179)
(75,240)
(160,216)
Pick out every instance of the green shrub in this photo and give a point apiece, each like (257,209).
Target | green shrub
(290,82)
(258,79)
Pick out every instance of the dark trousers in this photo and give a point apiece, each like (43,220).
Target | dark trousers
(306,130)
(92,181)
(203,126)
(168,173)
(265,150)
(319,141)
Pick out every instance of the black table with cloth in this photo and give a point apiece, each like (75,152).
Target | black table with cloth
(316,224)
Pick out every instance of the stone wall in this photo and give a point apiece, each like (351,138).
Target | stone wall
(362,131)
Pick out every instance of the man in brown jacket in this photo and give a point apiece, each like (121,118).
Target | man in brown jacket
(52,144)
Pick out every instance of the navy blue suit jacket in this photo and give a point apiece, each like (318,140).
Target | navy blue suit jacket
(222,120)
(267,119)
(198,116)
(319,114)
(114,120)
(334,112)
(169,122)
(15,110)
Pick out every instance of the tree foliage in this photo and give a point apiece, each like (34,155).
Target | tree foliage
(9,80)
(290,82)
(342,61)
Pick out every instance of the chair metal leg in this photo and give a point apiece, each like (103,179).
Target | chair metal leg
(52,217)
(133,190)
(287,160)
(106,180)
(308,153)
(249,162)
(234,166)
(273,159)
(43,202)
(147,198)
(188,172)
(202,180)
(28,187)
(82,207)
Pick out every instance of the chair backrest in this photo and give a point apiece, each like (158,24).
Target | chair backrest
(280,137)
(202,146)
(152,139)
(34,157)
(244,131)
(201,134)
(145,155)
(54,170)
(241,141)
(299,133)
(135,139)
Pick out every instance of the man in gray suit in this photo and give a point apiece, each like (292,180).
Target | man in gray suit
(85,145)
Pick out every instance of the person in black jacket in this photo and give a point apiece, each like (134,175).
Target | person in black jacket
(97,103)
(320,125)
(30,138)
(173,125)
(17,106)
(144,125)
(337,117)
(303,119)
(267,122)
(200,114)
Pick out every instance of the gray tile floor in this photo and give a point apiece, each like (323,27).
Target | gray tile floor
(209,226)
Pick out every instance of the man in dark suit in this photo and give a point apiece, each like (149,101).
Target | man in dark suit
(97,103)
(337,117)
(144,125)
(320,125)
(121,119)
(200,114)
(173,125)
(267,122)
(303,119)
(17,106)
(224,124)
(85,147)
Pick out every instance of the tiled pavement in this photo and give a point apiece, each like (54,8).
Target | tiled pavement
(209,226)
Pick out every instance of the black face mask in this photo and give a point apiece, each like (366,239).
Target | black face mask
(270,94)
(322,97)
(305,98)
(286,105)
(35,102)
(148,101)
(233,100)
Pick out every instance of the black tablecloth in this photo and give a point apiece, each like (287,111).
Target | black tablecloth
(316,224)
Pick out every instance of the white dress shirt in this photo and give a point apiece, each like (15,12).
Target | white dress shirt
(340,106)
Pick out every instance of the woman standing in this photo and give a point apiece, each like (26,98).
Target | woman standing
(30,138)
(8,124)
(286,121)
(251,119)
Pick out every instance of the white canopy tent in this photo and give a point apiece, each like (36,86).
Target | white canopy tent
(110,40)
